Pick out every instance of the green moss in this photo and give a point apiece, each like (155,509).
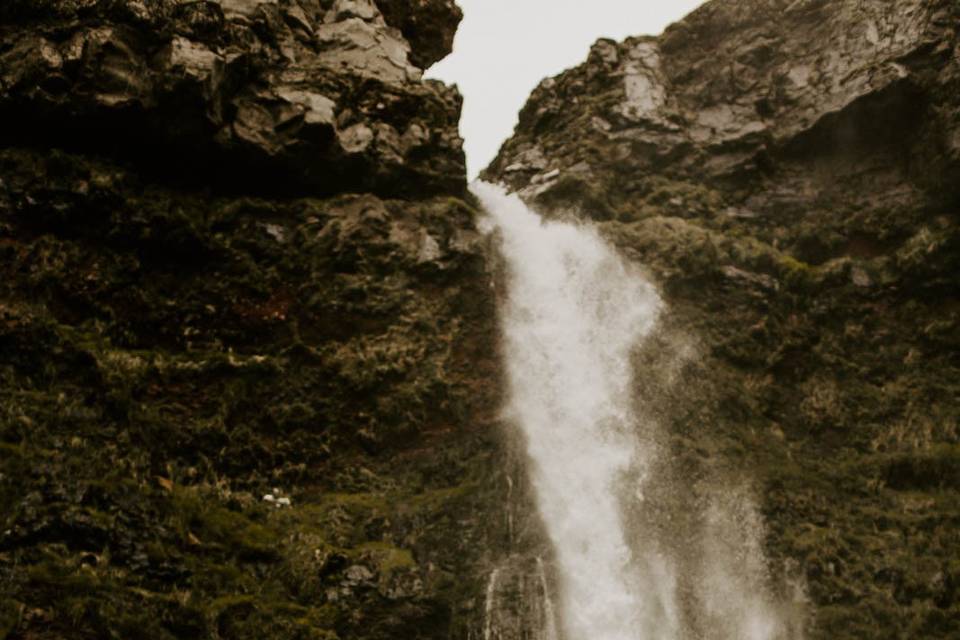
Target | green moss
(207,520)
(363,501)
(936,468)
(389,558)
(10,613)
(436,499)
(679,197)
(243,617)
(228,603)
(798,275)
(53,575)
(10,454)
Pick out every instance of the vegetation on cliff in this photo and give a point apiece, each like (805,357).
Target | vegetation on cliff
(247,348)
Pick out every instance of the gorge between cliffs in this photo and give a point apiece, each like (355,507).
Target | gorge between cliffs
(685,365)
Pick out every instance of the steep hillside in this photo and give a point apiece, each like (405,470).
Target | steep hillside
(789,173)
(247,341)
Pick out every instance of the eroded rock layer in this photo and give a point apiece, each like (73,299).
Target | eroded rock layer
(248,369)
(789,171)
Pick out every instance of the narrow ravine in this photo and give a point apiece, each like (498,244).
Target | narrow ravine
(573,312)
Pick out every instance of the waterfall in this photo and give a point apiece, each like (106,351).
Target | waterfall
(489,605)
(573,312)
(549,615)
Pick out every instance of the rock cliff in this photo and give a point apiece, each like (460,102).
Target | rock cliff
(789,173)
(248,350)
(247,341)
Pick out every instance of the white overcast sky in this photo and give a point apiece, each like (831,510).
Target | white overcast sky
(504,48)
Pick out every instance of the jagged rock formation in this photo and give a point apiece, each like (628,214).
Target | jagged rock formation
(429,26)
(789,171)
(316,97)
(212,293)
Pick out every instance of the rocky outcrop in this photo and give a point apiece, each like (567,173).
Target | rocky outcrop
(725,92)
(429,25)
(788,172)
(247,340)
(283,96)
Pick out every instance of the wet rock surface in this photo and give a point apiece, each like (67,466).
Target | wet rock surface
(248,369)
(788,172)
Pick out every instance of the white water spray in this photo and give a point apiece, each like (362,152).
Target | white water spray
(489,605)
(549,615)
(573,312)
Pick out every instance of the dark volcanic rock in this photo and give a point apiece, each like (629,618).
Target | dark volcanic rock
(429,25)
(279,96)
(246,390)
(789,171)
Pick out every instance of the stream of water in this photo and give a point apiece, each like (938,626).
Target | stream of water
(573,312)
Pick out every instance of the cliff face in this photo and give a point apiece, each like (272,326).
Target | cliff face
(211,291)
(789,173)
(247,334)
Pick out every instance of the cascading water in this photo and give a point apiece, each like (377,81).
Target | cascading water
(573,312)
(490,603)
(549,631)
